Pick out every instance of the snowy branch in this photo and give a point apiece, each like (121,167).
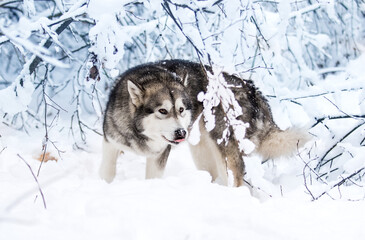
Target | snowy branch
(166,7)
(340,183)
(322,160)
(48,43)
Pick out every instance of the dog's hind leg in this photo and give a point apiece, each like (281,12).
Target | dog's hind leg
(155,165)
(108,165)
(235,162)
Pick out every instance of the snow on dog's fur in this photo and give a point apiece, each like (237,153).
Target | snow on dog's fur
(152,107)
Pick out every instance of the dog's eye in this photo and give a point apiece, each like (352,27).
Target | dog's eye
(163,111)
(181,110)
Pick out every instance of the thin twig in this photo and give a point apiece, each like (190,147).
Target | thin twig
(2,150)
(305,180)
(320,94)
(258,188)
(320,120)
(306,165)
(36,179)
(339,109)
(45,144)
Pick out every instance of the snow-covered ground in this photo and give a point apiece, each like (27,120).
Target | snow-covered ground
(182,205)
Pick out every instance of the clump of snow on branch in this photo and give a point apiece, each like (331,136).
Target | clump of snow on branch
(218,93)
(108,36)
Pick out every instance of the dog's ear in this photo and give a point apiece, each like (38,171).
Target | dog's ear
(135,92)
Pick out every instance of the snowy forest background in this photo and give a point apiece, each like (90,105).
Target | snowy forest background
(58,61)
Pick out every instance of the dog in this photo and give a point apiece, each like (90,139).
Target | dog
(152,108)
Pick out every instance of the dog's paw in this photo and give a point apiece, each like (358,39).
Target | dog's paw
(107,173)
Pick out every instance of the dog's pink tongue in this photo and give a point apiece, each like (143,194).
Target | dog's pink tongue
(180,140)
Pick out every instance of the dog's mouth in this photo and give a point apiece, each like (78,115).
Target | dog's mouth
(175,141)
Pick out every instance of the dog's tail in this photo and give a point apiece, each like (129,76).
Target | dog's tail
(282,143)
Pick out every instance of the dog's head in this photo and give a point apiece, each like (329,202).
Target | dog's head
(161,108)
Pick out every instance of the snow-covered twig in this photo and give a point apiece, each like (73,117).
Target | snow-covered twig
(322,119)
(340,183)
(324,71)
(322,161)
(40,52)
(48,43)
(305,10)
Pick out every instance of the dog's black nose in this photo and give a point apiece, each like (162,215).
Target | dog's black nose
(180,133)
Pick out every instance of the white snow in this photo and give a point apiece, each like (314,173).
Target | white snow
(18,96)
(182,205)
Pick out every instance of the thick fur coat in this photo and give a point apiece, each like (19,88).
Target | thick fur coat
(152,107)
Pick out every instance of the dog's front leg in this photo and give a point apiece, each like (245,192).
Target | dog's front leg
(155,165)
(108,165)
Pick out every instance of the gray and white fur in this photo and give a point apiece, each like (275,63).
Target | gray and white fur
(152,108)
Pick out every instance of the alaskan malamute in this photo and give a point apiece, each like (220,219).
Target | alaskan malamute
(152,107)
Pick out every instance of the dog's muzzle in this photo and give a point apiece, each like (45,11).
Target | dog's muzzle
(180,135)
